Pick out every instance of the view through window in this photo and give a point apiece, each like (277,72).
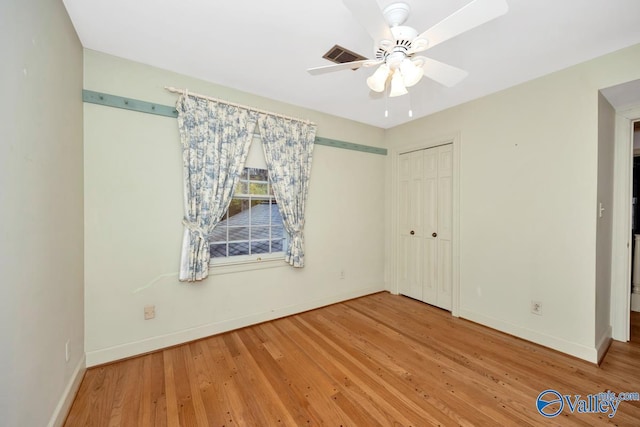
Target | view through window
(252,224)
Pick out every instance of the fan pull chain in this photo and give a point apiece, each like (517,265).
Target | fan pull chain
(410,106)
(386,102)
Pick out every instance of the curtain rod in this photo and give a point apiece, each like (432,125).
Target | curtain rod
(222,101)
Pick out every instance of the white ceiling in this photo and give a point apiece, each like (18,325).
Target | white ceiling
(265,46)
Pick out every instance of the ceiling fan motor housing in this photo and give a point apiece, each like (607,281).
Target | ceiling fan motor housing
(396,13)
(389,49)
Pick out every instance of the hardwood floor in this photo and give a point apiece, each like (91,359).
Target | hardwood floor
(380,360)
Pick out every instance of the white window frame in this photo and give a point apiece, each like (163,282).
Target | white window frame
(231,264)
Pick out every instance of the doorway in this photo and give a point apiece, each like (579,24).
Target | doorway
(635,220)
(622,244)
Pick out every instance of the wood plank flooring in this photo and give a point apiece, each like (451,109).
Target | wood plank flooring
(380,360)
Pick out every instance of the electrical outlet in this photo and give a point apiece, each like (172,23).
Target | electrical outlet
(536,307)
(342,274)
(66,351)
(149,312)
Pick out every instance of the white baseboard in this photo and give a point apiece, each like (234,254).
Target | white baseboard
(66,400)
(574,349)
(123,351)
(602,345)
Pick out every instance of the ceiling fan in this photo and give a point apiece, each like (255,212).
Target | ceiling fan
(396,45)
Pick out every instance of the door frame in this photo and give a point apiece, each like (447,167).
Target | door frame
(621,239)
(454,140)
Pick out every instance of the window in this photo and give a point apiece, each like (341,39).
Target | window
(252,226)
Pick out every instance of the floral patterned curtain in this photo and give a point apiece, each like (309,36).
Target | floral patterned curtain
(215,142)
(288,149)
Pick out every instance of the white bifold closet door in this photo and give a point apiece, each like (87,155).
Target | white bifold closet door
(425,225)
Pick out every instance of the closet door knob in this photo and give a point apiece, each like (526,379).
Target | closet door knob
(434,234)
(412,232)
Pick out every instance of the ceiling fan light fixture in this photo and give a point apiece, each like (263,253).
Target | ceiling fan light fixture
(411,72)
(377,81)
(397,85)
(395,44)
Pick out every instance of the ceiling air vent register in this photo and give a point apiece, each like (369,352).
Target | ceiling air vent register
(340,55)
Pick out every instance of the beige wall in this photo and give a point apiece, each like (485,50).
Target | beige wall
(529,181)
(528,199)
(133,231)
(41,213)
(533,166)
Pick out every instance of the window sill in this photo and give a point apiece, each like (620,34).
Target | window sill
(217,267)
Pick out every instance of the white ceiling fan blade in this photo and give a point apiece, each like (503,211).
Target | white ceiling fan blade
(344,66)
(470,16)
(369,15)
(442,73)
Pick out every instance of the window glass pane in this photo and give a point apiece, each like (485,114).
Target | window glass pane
(260,233)
(260,214)
(258,188)
(277,231)
(218,250)
(258,174)
(241,188)
(277,245)
(238,233)
(239,248)
(261,247)
(219,234)
(239,212)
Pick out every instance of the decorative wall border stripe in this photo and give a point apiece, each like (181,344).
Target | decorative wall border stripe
(169,111)
(350,146)
(128,103)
